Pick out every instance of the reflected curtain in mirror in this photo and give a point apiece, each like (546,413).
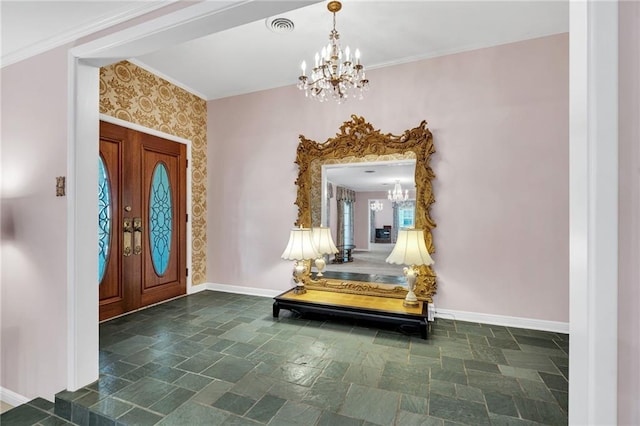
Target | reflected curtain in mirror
(345,198)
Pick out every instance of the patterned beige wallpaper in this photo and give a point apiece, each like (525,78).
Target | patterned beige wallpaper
(135,95)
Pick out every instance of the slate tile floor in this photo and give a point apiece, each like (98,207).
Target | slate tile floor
(220,359)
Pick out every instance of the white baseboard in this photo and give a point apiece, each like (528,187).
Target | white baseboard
(12,398)
(197,288)
(250,291)
(530,323)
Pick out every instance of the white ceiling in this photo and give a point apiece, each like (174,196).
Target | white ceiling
(367,177)
(251,57)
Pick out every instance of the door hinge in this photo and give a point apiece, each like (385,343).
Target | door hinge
(186,163)
(187,217)
(187,272)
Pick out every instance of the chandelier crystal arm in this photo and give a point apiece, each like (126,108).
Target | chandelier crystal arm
(331,77)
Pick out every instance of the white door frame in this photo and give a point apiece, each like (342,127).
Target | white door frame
(593,186)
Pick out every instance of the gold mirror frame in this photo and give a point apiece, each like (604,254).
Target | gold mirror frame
(358,141)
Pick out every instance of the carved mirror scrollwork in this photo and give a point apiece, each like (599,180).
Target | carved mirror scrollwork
(358,141)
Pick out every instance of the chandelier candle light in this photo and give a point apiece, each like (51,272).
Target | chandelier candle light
(411,250)
(299,248)
(336,74)
(323,244)
(376,206)
(396,195)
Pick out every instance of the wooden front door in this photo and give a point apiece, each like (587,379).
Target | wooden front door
(141,220)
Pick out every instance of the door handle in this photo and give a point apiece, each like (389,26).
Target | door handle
(137,235)
(128,230)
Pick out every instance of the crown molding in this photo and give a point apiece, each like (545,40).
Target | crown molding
(75,33)
(163,76)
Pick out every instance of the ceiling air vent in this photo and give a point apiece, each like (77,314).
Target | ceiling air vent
(280,25)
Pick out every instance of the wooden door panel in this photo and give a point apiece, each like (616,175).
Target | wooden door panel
(131,280)
(111,290)
(169,280)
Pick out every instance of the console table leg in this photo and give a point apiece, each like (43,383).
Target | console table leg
(276,309)
(423,329)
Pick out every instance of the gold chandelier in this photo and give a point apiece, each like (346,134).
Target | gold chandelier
(336,75)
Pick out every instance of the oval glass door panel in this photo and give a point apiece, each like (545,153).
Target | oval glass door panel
(160,219)
(104,218)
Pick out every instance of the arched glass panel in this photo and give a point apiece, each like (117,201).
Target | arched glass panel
(104,218)
(160,219)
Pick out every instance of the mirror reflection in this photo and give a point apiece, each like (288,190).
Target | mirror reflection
(365,204)
(359,144)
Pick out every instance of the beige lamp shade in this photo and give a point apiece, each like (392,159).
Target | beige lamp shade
(322,240)
(300,245)
(410,249)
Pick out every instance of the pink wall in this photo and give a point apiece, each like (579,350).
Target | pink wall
(629,219)
(500,122)
(34,225)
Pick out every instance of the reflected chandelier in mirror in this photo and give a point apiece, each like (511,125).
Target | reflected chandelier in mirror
(358,141)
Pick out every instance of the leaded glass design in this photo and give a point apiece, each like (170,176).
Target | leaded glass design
(104,218)
(160,219)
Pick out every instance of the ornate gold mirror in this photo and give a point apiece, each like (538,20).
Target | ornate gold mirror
(358,142)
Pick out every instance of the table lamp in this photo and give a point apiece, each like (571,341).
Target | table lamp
(411,250)
(323,244)
(299,248)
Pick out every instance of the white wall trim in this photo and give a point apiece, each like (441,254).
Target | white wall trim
(593,212)
(189,184)
(75,33)
(12,398)
(504,320)
(249,291)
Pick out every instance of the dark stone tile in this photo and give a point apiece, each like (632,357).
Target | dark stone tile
(140,372)
(108,385)
(333,419)
(498,403)
(326,393)
(167,374)
(297,374)
(500,420)
(234,403)
(169,360)
(240,350)
(229,369)
(193,382)
(503,343)
(481,366)
(453,364)
(23,415)
(494,382)
(96,419)
(42,404)
(145,392)
(62,408)
(536,341)
(414,404)
(220,345)
(562,398)
(554,381)
(139,417)
(234,420)
(374,405)
(448,376)
(469,393)
(53,421)
(488,354)
(456,410)
(79,414)
(172,401)
(264,410)
(540,411)
(477,340)
(393,340)
(111,407)
(335,370)
(535,389)
(186,348)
